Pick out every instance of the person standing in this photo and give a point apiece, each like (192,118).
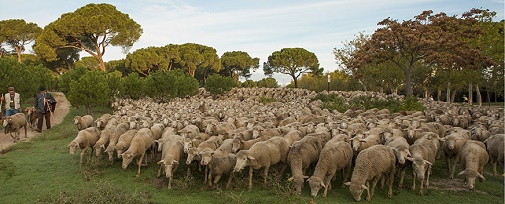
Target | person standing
(12,102)
(42,105)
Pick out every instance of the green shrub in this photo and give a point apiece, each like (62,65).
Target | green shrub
(90,90)
(265,100)
(412,103)
(68,77)
(335,102)
(217,84)
(132,86)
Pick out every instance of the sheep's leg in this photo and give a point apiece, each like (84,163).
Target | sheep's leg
(374,183)
(391,181)
(428,177)
(139,163)
(414,175)
(218,177)
(229,181)
(206,175)
(169,183)
(265,174)
(210,178)
(402,176)
(345,174)
(83,151)
(250,178)
(448,163)
(283,168)
(495,173)
(327,184)
(368,196)
(159,171)
(421,187)
(453,167)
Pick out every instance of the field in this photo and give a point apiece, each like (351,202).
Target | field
(41,171)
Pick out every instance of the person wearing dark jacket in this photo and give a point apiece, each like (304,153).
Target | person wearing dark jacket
(43,104)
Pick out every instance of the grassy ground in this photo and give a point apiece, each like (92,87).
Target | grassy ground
(41,171)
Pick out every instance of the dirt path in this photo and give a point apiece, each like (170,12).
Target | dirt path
(62,108)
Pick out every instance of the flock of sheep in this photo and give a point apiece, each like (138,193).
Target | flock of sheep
(236,131)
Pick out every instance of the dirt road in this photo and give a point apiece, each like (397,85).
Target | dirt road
(62,108)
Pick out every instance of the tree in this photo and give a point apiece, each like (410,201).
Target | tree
(293,62)
(68,77)
(145,60)
(194,56)
(170,84)
(238,64)
(17,33)
(249,84)
(91,29)
(90,90)
(132,86)
(217,84)
(268,82)
(88,62)
(434,39)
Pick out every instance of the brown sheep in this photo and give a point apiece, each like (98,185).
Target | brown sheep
(83,122)
(301,155)
(84,139)
(14,123)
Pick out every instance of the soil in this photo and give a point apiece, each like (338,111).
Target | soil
(62,108)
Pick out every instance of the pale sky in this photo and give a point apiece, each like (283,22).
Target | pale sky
(258,27)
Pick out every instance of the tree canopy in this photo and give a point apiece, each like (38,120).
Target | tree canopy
(238,64)
(17,33)
(293,62)
(91,29)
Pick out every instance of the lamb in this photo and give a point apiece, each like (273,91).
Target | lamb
(83,122)
(423,151)
(14,123)
(336,155)
(473,157)
(224,149)
(84,139)
(494,146)
(142,141)
(120,129)
(124,141)
(262,154)
(301,155)
(171,154)
(189,142)
(371,165)
(221,165)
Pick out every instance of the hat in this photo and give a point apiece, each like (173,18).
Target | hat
(10,88)
(42,88)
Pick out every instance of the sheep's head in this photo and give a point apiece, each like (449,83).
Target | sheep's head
(357,190)
(315,184)
(73,146)
(8,120)
(127,159)
(192,155)
(242,160)
(420,166)
(471,175)
(169,164)
(236,145)
(206,156)
(297,182)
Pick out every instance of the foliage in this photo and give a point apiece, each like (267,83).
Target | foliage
(249,84)
(90,90)
(335,102)
(68,77)
(170,84)
(90,63)
(293,62)
(339,81)
(265,100)
(238,64)
(195,56)
(25,78)
(132,86)
(90,28)
(217,84)
(114,83)
(17,33)
(268,82)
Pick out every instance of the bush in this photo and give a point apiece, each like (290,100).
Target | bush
(412,103)
(335,102)
(249,84)
(217,84)
(170,84)
(25,78)
(90,90)
(68,77)
(268,83)
(132,86)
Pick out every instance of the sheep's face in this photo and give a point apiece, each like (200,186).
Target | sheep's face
(119,149)
(206,157)
(169,164)
(471,176)
(235,146)
(110,152)
(315,184)
(192,155)
(73,146)
(77,119)
(242,161)
(401,154)
(356,191)
(188,143)
(420,167)
(127,159)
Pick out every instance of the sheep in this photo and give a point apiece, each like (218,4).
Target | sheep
(221,165)
(171,154)
(124,141)
(220,128)
(157,129)
(142,141)
(239,143)
(293,136)
(259,131)
(190,131)
(194,153)
(120,129)
(361,142)
(473,157)
(83,122)
(262,154)
(224,149)
(102,121)
(104,140)
(494,146)
(451,146)
(423,151)
(84,139)
(401,148)
(301,155)
(14,123)
(335,155)
(371,165)
(32,116)
(194,142)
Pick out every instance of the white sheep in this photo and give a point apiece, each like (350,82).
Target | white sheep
(301,155)
(14,123)
(104,140)
(423,151)
(142,141)
(83,122)
(102,121)
(473,157)
(219,166)
(335,155)
(451,146)
(371,165)
(495,147)
(84,139)
(401,149)
(262,155)
(124,141)
(170,156)
(120,129)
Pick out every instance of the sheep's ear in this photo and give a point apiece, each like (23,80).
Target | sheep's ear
(250,158)
(160,162)
(102,146)
(443,139)
(364,187)
(68,147)
(322,184)
(427,162)
(175,162)
(408,153)
(410,159)
(347,183)
(480,176)
(362,140)
(462,172)
(305,177)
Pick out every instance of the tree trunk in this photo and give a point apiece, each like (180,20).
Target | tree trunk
(408,82)
(101,64)
(296,81)
(439,94)
(18,52)
(453,96)
(448,98)
(470,93)
(364,87)
(479,97)
(488,97)
(426,93)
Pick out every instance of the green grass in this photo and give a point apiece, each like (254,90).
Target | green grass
(41,171)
